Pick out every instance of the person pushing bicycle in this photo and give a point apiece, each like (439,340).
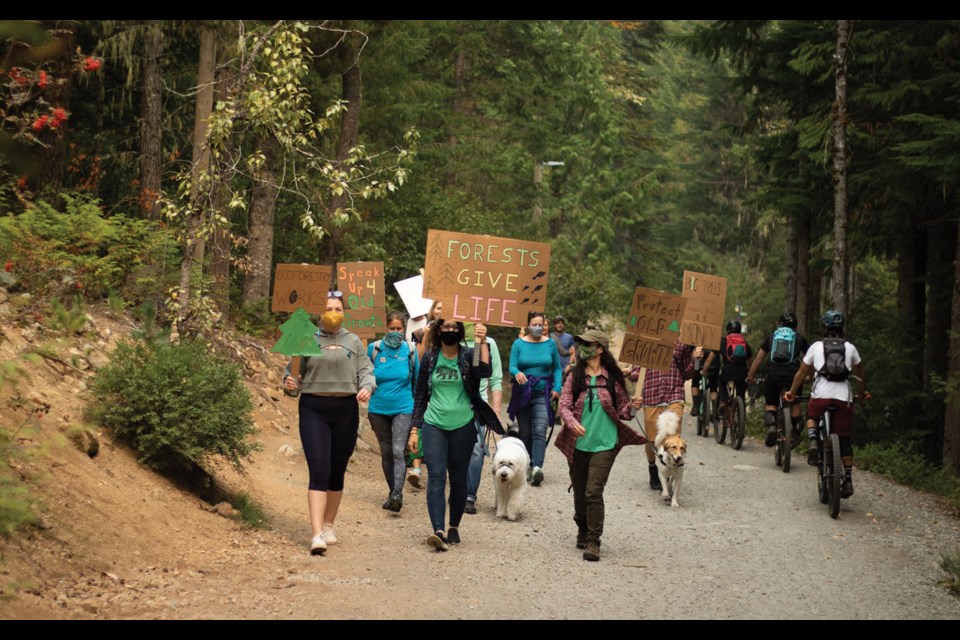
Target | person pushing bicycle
(831,359)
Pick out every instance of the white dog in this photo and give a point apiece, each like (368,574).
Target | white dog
(670,451)
(510,464)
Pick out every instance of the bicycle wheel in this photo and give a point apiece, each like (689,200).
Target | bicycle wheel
(835,477)
(703,420)
(737,426)
(822,487)
(698,404)
(720,424)
(786,435)
(778,451)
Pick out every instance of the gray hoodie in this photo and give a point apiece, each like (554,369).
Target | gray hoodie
(344,367)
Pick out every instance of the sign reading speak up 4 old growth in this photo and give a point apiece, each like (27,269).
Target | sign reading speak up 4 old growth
(652,328)
(484,278)
(703,320)
(301,285)
(364,304)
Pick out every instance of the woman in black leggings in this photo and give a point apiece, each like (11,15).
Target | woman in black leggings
(332,385)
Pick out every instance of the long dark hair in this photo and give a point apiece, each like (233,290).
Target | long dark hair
(608,362)
(435,342)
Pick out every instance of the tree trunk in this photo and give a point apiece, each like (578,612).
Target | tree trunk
(840,222)
(951,423)
(263,198)
(349,133)
(790,266)
(151,123)
(193,242)
(941,252)
(803,274)
(221,239)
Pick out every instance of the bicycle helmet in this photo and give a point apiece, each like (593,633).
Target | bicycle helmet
(832,319)
(788,319)
(734,326)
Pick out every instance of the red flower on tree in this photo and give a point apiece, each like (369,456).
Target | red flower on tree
(7,267)
(91,64)
(59,115)
(42,80)
(40,122)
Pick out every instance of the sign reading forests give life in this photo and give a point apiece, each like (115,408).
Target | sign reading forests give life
(484,278)
(301,285)
(703,320)
(364,304)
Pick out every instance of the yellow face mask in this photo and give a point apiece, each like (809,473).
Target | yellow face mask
(331,321)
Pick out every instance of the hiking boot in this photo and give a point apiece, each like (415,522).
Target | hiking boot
(470,507)
(537,476)
(846,489)
(694,412)
(592,551)
(413,477)
(582,539)
(437,541)
(813,455)
(654,478)
(318,545)
(771,436)
(394,502)
(453,535)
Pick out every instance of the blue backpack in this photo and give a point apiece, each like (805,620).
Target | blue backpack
(783,346)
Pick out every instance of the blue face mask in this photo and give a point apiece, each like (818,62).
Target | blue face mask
(393,339)
(535,332)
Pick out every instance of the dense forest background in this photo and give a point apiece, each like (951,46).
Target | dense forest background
(811,163)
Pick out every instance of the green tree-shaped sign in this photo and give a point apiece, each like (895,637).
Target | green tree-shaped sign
(297,339)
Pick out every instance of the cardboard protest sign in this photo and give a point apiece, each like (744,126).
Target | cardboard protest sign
(652,328)
(484,278)
(647,351)
(301,285)
(364,302)
(411,293)
(656,313)
(703,319)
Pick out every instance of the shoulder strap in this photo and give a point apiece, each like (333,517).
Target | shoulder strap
(376,349)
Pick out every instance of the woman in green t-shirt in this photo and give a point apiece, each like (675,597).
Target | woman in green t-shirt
(593,404)
(446,403)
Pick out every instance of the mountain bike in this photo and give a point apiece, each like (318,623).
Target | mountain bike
(703,415)
(784,446)
(730,417)
(830,468)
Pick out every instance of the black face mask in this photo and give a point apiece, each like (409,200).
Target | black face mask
(450,338)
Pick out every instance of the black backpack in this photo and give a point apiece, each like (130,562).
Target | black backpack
(834,360)
(611,387)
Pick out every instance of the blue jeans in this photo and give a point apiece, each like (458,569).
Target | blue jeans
(476,464)
(447,452)
(532,420)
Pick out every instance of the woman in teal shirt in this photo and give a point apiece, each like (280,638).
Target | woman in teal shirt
(535,367)
(447,402)
(395,366)
(594,404)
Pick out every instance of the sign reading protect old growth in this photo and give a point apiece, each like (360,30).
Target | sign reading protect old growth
(301,285)
(364,304)
(703,320)
(484,278)
(652,328)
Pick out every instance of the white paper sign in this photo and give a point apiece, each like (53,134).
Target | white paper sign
(411,292)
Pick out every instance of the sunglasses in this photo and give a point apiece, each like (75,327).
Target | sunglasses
(334,294)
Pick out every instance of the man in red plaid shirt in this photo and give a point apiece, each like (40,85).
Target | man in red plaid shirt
(663,391)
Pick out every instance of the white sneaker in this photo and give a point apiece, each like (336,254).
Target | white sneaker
(318,546)
(328,535)
(414,478)
(537,476)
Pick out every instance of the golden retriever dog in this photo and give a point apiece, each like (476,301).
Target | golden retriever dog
(671,449)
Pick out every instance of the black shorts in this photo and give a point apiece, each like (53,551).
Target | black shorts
(712,380)
(775,384)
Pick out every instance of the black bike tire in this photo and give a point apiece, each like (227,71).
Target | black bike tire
(704,417)
(836,475)
(720,426)
(737,425)
(823,490)
(787,439)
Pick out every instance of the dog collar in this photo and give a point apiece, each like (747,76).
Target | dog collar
(664,462)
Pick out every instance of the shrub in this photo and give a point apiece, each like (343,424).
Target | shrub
(906,465)
(175,404)
(950,562)
(80,250)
